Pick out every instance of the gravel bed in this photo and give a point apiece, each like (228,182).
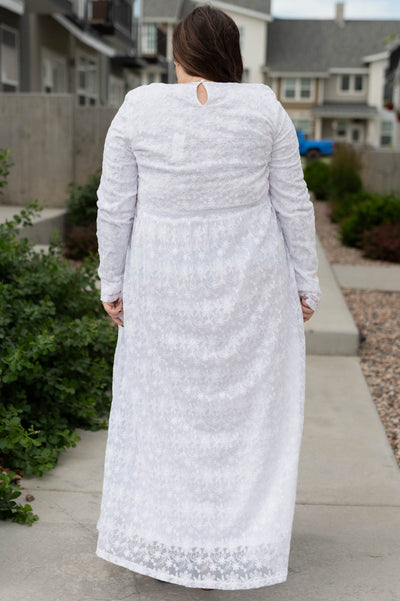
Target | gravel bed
(376,315)
(328,233)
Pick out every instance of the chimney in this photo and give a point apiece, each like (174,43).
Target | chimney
(339,17)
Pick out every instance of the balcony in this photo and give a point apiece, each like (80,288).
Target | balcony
(111,18)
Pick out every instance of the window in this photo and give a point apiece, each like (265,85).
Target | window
(345,83)
(358,83)
(8,60)
(305,87)
(87,81)
(386,133)
(341,131)
(151,78)
(298,88)
(149,39)
(54,72)
(246,75)
(351,84)
(289,87)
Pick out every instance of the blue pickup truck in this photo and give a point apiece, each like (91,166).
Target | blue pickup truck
(314,149)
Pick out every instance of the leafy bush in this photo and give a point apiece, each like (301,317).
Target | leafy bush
(372,212)
(348,203)
(56,352)
(345,171)
(82,200)
(9,508)
(5,164)
(317,175)
(383,242)
(80,239)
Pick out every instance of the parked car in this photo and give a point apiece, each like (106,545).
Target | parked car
(314,149)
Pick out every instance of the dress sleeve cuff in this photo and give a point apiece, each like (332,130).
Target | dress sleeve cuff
(110,292)
(312,299)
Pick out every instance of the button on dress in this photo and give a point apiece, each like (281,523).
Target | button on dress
(206,230)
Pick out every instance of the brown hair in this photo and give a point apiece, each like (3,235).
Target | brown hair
(206,43)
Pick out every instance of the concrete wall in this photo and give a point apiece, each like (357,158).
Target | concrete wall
(52,142)
(90,129)
(380,170)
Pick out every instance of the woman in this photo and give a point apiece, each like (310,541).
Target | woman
(208,261)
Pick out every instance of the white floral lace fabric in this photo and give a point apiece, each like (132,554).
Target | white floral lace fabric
(206,231)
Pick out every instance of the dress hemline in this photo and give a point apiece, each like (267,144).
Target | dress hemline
(237,585)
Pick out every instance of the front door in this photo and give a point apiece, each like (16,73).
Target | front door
(356,134)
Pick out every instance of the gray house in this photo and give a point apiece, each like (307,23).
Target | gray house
(330,76)
(84,47)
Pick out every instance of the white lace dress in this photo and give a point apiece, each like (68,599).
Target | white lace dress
(206,230)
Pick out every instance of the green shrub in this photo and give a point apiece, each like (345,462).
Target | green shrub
(80,238)
(317,175)
(345,170)
(82,199)
(382,242)
(56,352)
(348,203)
(9,508)
(372,212)
(5,164)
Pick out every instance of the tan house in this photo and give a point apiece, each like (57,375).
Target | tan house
(330,76)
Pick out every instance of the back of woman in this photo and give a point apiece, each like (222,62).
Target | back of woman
(194,156)
(208,265)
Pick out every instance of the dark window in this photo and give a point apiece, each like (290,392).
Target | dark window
(358,83)
(345,84)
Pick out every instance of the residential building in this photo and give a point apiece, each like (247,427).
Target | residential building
(83,47)
(330,75)
(10,23)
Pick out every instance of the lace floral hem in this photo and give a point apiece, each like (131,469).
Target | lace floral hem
(243,568)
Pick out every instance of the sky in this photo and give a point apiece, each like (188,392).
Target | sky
(325,9)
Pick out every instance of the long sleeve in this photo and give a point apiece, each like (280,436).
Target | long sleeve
(294,209)
(117,197)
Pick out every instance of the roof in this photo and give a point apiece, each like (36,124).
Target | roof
(161,9)
(261,6)
(176,9)
(318,45)
(337,110)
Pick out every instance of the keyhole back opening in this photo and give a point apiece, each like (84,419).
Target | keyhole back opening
(202,95)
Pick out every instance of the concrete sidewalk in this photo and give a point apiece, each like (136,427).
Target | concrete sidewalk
(368,277)
(345,544)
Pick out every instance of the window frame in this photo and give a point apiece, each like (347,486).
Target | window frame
(54,57)
(83,92)
(352,84)
(383,134)
(10,82)
(298,88)
(150,48)
(345,129)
